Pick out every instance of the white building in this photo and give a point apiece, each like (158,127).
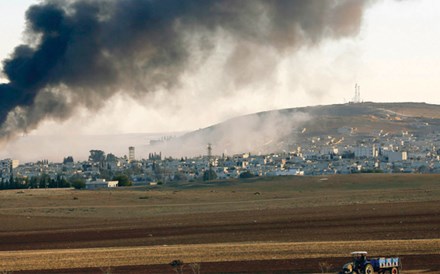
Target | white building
(329,150)
(289,172)
(15,163)
(101,183)
(397,156)
(365,151)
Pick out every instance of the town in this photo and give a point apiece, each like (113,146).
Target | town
(319,155)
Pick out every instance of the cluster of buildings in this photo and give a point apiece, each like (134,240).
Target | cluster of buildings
(319,155)
(385,153)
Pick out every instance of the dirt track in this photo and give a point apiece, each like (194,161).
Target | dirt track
(262,234)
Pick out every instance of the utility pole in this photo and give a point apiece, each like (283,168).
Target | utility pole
(209,161)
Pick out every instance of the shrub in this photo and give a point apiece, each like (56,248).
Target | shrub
(247,174)
(123,180)
(78,183)
(325,267)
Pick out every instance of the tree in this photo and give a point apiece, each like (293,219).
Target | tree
(78,183)
(105,173)
(68,159)
(34,182)
(123,180)
(60,181)
(180,176)
(12,182)
(21,182)
(209,175)
(158,171)
(45,181)
(247,174)
(97,156)
(63,182)
(423,169)
(112,158)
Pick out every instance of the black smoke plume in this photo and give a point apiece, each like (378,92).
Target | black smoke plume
(80,53)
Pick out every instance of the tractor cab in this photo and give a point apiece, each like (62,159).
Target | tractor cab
(359,260)
(359,264)
(359,256)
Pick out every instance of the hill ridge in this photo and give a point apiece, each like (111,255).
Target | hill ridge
(276,130)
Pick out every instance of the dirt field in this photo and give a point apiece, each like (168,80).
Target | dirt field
(279,225)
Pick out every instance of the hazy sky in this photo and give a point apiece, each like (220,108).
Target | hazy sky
(395,57)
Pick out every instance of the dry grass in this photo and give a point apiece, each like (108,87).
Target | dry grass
(325,267)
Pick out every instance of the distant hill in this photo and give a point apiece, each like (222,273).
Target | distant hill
(273,131)
(263,132)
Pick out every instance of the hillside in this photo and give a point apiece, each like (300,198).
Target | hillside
(264,132)
(273,131)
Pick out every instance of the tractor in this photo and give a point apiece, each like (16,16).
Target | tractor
(363,265)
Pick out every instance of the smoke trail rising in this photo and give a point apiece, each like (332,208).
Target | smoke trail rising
(83,52)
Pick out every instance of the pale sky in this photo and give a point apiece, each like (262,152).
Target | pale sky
(394,58)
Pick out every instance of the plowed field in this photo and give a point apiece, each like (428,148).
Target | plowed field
(282,225)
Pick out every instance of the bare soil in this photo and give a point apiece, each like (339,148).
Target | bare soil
(285,225)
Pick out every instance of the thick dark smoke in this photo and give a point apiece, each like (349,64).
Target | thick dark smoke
(83,52)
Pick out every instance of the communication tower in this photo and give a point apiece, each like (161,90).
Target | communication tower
(357,93)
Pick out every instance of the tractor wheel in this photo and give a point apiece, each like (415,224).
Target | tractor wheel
(368,269)
(394,270)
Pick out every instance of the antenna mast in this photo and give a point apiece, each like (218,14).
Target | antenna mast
(357,94)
